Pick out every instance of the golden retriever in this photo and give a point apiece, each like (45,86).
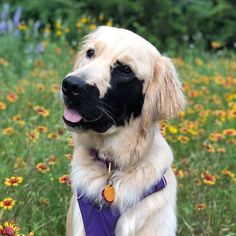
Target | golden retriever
(119,90)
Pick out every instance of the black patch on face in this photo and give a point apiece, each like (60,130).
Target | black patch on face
(123,100)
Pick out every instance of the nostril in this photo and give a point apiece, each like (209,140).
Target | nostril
(73,85)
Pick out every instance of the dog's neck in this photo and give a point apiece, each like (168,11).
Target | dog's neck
(125,148)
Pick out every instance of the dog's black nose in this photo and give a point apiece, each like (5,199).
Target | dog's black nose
(72,85)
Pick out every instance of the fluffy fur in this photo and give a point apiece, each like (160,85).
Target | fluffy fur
(137,147)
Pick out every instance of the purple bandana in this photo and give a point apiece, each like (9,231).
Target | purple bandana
(102,220)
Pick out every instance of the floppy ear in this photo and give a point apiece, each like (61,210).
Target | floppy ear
(164,98)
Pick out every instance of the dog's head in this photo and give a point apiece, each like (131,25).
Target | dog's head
(118,77)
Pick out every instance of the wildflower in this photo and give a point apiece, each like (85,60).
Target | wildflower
(13,181)
(200,206)
(41,111)
(33,135)
(216,44)
(172,129)
(16,117)
(59,33)
(183,139)
(22,26)
(20,163)
(43,201)
(92,27)
(231,114)
(7,131)
(216,137)
(209,148)
(52,160)
(55,88)
(64,179)
(229,132)
(78,25)
(40,87)
(68,156)
(3,62)
(31,234)
(84,20)
(220,150)
(11,97)
(42,167)
(52,136)
(109,23)
(3,106)
(208,178)
(9,229)
(179,173)
(228,173)
(42,129)
(7,203)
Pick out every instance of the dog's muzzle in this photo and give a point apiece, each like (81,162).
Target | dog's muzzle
(73,86)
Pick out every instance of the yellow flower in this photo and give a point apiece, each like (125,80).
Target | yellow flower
(109,23)
(42,129)
(7,131)
(7,203)
(22,26)
(78,25)
(33,135)
(216,44)
(92,27)
(53,135)
(13,181)
(12,97)
(40,87)
(59,33)
(172,129)
(84,20)
(3,106)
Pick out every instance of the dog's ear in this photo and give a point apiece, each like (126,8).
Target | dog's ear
(164,98)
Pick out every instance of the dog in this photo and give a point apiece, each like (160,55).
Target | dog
(114,98)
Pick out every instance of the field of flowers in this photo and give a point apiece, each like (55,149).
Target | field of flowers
(35,149)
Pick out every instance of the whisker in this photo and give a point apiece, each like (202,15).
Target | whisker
(95,118)
(106,112)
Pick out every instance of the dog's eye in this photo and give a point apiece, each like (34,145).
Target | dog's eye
(123,68)
(90,53)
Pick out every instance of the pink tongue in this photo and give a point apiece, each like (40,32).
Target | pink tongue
(72,115)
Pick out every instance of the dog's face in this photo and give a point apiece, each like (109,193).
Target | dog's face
(118,77)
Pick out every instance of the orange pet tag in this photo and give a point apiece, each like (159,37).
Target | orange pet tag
(108,194)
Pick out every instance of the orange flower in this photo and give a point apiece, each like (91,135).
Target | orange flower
(55,88)
(2,106)
(20,90)
(208,178)
(41,111)
(221,150)
(13,181)
(200,206)
(216,137)
(52,160)
(7,203)
(7,131)
(216,44)
(11,97)
(42,167)
(64,179)
(68,156)
(183,139)
(42,129)
(179,173)
(40,87)
(229,132)
(16,118)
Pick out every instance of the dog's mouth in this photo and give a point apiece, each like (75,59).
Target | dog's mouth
(72,115)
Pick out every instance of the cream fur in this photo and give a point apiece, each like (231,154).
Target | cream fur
(138,148)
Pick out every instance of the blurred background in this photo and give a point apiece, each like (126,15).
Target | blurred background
(39,40)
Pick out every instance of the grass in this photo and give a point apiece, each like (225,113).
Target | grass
(202,138)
